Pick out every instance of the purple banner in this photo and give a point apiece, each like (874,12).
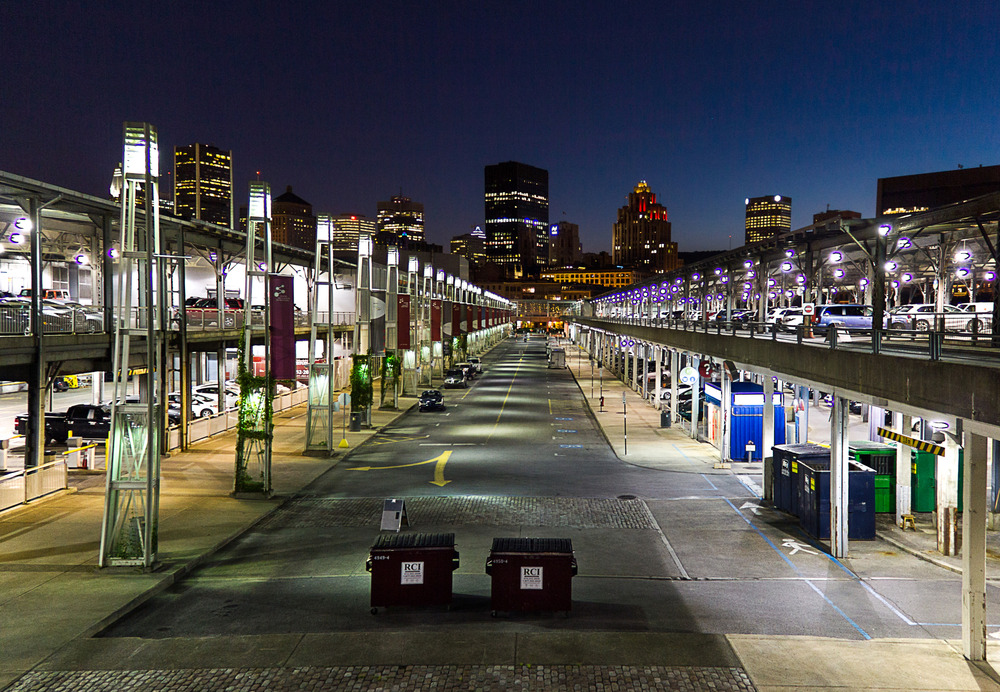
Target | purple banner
(282,327)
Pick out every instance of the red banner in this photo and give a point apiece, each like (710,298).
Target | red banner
(282,327)
(456,319)
(435,320)
(403,321)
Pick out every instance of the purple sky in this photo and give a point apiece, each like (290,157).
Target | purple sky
(350,103)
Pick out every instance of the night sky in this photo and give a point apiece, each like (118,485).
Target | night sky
(350,103)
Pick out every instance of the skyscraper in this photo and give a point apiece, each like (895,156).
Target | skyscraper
(400,220)
(517,216)
(641,237)
(767,217)
(292,221)
(347,228)
(906,194)
(564,244)
(203,184)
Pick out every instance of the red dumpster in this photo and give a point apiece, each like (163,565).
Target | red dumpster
(531,574)
(412,569)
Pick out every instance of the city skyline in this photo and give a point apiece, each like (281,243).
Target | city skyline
(710,105)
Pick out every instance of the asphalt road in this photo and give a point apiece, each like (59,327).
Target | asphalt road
(519,454)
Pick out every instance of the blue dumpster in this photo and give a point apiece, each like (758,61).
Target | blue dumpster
(787,459)
(814,499)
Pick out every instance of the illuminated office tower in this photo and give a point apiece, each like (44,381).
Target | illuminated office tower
(400,220)
(908,194)
(517,216)
(641,238)
(347,228)
(767,217)
(203,184)
(292,221)
(564,244)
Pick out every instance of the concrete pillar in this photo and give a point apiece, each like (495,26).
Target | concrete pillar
(904,468)
(725,439)
(838,477)
(974,549)
(647,350)
(767,440)
(635,367)
(946,480)
(695,405)
(675,361)
(658,361)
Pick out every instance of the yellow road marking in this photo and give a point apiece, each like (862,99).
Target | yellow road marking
(438,461)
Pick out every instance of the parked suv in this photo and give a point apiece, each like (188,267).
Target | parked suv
(843,316)
(923,317)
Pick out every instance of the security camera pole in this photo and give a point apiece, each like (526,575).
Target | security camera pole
(625,423)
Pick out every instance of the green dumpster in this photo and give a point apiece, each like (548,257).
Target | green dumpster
(882,458)
(923,494)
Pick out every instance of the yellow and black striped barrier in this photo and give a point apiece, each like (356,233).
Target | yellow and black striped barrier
(922,445)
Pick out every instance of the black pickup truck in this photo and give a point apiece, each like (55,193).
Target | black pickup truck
(82,420)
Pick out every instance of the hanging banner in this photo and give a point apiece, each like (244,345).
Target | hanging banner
(456,319)
(463,319)
(403,321)
(435,320)
(282,327)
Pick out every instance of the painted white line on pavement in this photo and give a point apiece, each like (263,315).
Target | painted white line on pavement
(666,542)
(750,485)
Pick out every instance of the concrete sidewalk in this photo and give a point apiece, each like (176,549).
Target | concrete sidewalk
(793,663)
(51,591)
(53,600)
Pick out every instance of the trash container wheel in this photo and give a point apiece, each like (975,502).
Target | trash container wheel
(493,613)
(374,611)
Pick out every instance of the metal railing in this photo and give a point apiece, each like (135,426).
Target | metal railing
(24,485)
(16,320)
(910,340)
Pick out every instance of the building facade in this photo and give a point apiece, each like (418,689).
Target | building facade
(611,278)
(402,219)
(641,238)
(517,216)
(347,228)
(203,184)
(564,244)
(292,221)
(471,246)
(907,194)
(767,217)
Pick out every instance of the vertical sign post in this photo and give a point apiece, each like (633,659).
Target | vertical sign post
(625,422)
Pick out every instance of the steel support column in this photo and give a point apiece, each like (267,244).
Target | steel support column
(974,549)
(838,477)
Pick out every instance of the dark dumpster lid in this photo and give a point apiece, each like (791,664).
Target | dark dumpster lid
(866,447)
(804,450)
(414,540)
(532,545)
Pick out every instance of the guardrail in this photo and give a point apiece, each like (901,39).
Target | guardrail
(916,342)
(16,320)
(23,486)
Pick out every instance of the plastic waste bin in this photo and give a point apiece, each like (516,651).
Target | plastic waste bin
(665,418)
(814,499)
(882,458)
(531,574)
(785,470)
(412,569)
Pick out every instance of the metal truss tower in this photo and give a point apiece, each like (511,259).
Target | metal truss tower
(254,430)
(132,498)
(319,421)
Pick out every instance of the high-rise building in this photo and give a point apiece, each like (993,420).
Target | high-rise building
(564,244)
(907,194)
(347,228)
(203,184)
(400,219)
(517,216)
(641,237)
(292,221)
(832,214)
(471,246)
(767,217)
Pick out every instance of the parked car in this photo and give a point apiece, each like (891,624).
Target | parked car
(205,313)
(211,390)
(455,377)
(791,318)
(983,320)
(88,421)
(844,316)
(476,362)
(202,405)
(469,368)
(431,400)
(923,317)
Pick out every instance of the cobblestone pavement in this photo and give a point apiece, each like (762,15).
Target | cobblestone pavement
(392,678)
(312,512)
